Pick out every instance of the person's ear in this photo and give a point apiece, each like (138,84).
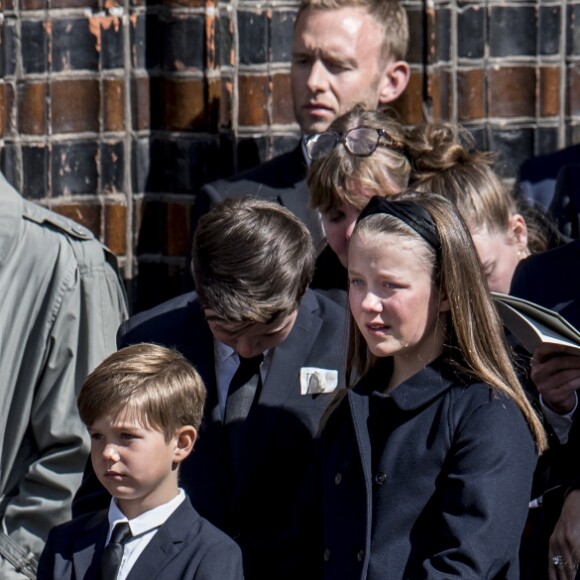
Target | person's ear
(444,305)
(394,81)
(185,439)
(519,231)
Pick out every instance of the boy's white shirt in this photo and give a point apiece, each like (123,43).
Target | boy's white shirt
(143,528)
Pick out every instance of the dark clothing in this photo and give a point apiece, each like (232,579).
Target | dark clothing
(255,508)
(185,547)
(280,180)
(431,481)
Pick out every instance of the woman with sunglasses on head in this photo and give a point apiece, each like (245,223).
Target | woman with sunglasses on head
(362,154)
(426,463)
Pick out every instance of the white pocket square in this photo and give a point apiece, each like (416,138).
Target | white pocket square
(314,381)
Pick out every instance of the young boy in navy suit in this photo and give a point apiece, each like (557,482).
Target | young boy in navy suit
(142,406)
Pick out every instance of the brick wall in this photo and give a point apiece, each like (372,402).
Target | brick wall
(114,114)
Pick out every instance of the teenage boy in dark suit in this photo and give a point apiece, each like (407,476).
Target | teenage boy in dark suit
(252,263)
(142,407)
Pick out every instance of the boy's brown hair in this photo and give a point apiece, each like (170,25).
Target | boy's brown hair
(151,383)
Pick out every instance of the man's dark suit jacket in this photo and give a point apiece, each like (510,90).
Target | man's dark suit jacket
(280,180)
(185,546)
(538,175)
(255,509)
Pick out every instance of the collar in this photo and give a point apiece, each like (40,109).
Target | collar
(222,352)
(148,520)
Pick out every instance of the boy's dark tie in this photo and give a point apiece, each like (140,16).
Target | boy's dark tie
(242,391)
(113,553)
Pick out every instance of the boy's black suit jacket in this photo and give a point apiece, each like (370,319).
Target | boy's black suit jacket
(185,546)
(255,506)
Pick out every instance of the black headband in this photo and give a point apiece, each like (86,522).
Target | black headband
(409,213)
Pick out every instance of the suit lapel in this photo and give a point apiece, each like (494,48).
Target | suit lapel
(165,544)
(88,547)
(282,384)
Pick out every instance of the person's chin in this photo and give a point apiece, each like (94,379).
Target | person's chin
(315,121)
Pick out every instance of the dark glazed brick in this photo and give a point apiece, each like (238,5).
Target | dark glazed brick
(225,40)
(282,108)
(253,100)
(183,43)
(112,164)
(7,48)
(471,32)
(512,92)
(470,94)
(74,46)
(549,91)
(87,4)
(138,35)
(178,220)
(573,30)
(573,96)
(181,166)
(154,41)
(9,164)
(549,30)
(415,54)
(34,46)
(3,109)
(443,32)
(32,108)
(87,214)
(113,105)
(116,228)
(282,27)
(111,41)
(75,106)
(513,147)
(253,37)
(512,31)
(546,140)
(140,162)
(35,171)
(74,168)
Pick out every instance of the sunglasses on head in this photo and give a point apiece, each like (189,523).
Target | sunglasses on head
(360,141)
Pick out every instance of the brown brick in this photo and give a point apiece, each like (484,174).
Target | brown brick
(214,97)
(116,228)
(178,220)
(184,105)
(512,92)
(253,91)
(282,107)
(573,97)
(226,87)
(549,91)
(89,215)
(75,106)
(32,108)
(33,4)
(141,102)
(470,94)
(113,105)
(408,105)
(190,3)
(441,92)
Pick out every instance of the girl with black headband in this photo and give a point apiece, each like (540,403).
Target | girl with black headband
(427,461)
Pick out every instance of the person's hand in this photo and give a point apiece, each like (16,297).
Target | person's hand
(556,374)
(564,550)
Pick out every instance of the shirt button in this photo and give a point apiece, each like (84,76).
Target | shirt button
(380,478)
(360,556)
(337,478)
(326,555)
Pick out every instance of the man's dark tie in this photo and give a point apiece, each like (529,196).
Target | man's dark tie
(113,553)
(242,391)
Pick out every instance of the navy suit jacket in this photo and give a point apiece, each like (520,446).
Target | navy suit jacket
(280,179)
(255,506)
(186,546)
